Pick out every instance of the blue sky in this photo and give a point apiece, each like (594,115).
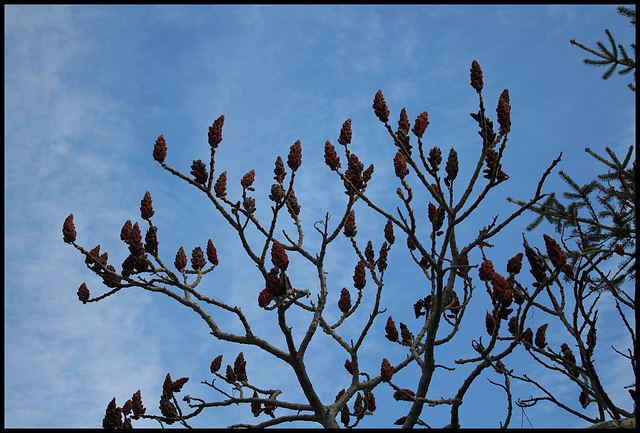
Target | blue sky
(88,89)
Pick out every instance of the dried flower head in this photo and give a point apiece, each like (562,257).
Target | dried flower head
(358,406)
(486,270)
(345,133)
(264,298)
(293,207)
(400,165)
(279,256)
(197,259)
(501,292)
(583,399)
(452,167)
(348,365)
(476,76)
(404,394)
(178,384)
(350,225)
(380,107)
(331,157)
(391,330)
(514,265)
(295,156)
(247,180)
(386,370)
(366,176)
(407,336)
(230,374)
(420,124)
(146,207)
(344,304)
(215,132)
(504,112)
(216,364)
(490,323)
(557,257)
(69,230)
(220,188)
(368,253)
(256,406)
(354,171)
(113,416)
(181,260)
(403,122)
(212,254)
(434,158)
(279,170)
(528,336)
(344,415)
(538,266)
(83,293)
(541,340)
(410,243)
(388,232)
(240,367)
(371,401)
(160,150)
(359,277)
(136,405)
(199,172)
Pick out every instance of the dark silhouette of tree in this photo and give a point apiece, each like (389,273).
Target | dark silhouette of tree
(611,56)
(440,254)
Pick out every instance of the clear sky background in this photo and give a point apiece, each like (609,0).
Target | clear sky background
(88,89)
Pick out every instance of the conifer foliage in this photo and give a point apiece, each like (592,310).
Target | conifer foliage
(617,55)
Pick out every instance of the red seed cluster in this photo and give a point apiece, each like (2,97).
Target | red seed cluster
(407,336)
(295,156)
(136,405)
(345,133)
(197,259)
(501,292)
(331,157)
(380,107)
(216,364)
(434,158)
(160,150)
(388,232)
(83,293)
(541,340)
(486,270)
(279,256)
(391,330)
(403,122)
(504,112)
(420,124)
(350,225)
(400,165)
(386,370)
(279,171)
(557,257)
(69,230)
(476,76)
(404,394)
(452,167)
(247,180)
(181,260)
(146,206)
(212,254)
(220,188)
(490,323)
(215,132)
(514,265)
(359,277)
(354,171)
(240,368)
(344,304)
